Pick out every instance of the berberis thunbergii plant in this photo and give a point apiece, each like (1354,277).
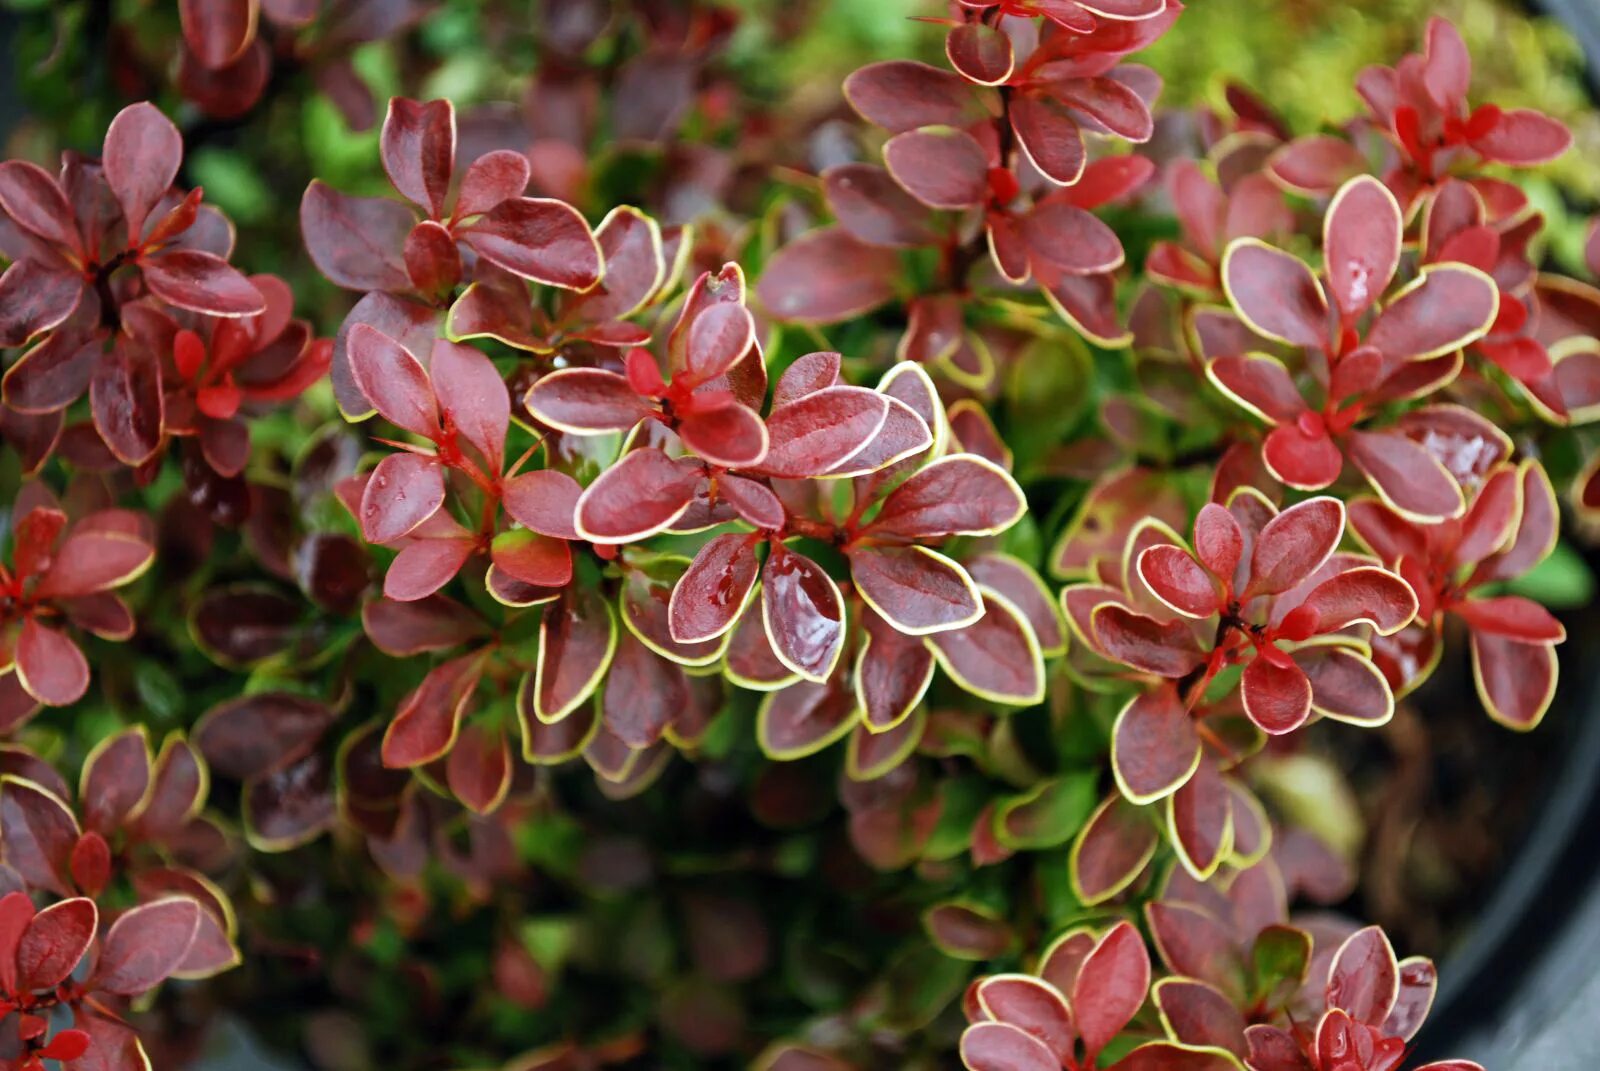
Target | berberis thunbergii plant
(834,610)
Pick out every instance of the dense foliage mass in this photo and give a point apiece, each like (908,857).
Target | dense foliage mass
(840,625)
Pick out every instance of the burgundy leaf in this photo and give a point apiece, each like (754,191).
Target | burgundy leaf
(903,95)
(543,240)
(577,638)
(827,276)
(142,152)
(53,943)
(1275,294)
(957,495)
(426,724)
(822,431)
(1294,544)
(217,30)
(404,491)
(1167,649)
(712,592)
(356,241)
(1110,987)
(545,501)
(1154,746)
(585,401)
(418,149)
(916,589)
(1362,233)
(50,666)
(34,297)
(201,282)
(869,204)
(146,945)
(473,397)
(996,658)
(803,613)
(940,166)
(641,494)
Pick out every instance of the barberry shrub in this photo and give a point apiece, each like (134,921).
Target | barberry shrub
(975,563)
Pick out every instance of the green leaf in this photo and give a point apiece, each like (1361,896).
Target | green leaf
(1563,581)
(1278,962)
(1049,815)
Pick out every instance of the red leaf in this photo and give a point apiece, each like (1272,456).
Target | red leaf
(1111,987)
(753,501)
(1032,1005)
(1449,307)
(425,565)
(1293,545)
(1022,587)
(1524,138)
(718,337)
(532,558)
(201,282)
(141,157)
(1261,384)
(1306,461)
(492,178)
(643,692)
(1218,541)
(50,666)
(803,613)
(586,401)
(1277,698)
(425,726)
(418,148)
(473,397)
(434,623)
(1371,596)
(714,589)
(807,375)
(981,53)
(1002,1047)
(1111,104)
(1167,649)
(940,166)
(577,638)
(1154,746)
(996,657)
(35,297)
(248,737)
(405,490)
(1516,681)
(874,209)
(217,30)
(126,399)
(916,589)
(1364,980)
(730,436)
(892,674)
(356,241)
(432,259)
(640,495)
(34,201)
(827,276)
(1346,686)
(116,776)
(90,562)
(957,495)
(803,718)
(39,832)
(822,431)
(146,945)
(1179,581)
(545,501)
(1071,240)
(1316,164)
(1112,851)
(903,95)
(539,239)
(1275,294)
(1512,617)
(54,942)
(1362,233)
(1406,475)
(394,380)
(479,768)
(1049,136)
(1198,819)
